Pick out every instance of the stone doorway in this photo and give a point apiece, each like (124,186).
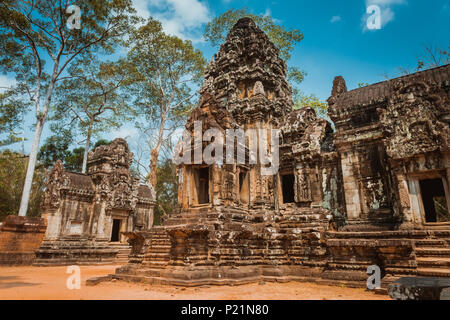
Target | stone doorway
(201,185)
(287,186)
(115,234)
(434,201)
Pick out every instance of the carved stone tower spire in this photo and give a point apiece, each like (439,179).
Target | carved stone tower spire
(247,77)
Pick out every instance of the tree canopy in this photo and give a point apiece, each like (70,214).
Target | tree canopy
(92,98)
(13,168)
(312,101)
(57,147)
(11,113)
(38,45)
(168,71)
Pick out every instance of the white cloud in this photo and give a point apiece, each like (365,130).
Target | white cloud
(335,19)
(387,13)
(141,8)
(6,83)
(268,13)
(182,18)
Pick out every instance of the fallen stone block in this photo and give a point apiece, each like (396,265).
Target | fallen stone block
(445,294)
(410,288)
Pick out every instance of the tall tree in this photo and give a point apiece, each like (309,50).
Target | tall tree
(55,147)
(34,33)
(284,39)
(13,168)
(92,97)
(166,190)
(12,111)
(169,71)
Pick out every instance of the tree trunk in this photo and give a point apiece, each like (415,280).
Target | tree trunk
(23,133)
(155,151)
(86,148)
(153,166)
(31,166)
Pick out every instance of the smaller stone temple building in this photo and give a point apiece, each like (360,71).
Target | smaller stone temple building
(88,214)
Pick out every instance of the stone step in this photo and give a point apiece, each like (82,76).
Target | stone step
(159,234)
(434,272)
(432,251)
(157,255)
(431,243)
(160,240)
(156,264)
(433,262)
(159,249)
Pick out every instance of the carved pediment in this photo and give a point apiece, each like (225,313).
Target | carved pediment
(411,123)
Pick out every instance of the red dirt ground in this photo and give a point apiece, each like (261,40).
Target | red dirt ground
(48,283)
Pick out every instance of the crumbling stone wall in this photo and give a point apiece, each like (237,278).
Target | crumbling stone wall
(20,237)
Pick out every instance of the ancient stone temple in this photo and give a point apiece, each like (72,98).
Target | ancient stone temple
(88,214)
(372,191)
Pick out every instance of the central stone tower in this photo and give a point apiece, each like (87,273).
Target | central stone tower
(247,78)
(235,224)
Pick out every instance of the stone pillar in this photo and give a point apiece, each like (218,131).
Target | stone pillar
(415,198)
(351,187)
(214,185)
(446,182)
(404,202)
(446,179)
(150,218)
(102,224)
(53,220)
(183,188)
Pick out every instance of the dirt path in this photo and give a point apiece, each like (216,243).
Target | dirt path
(50,283)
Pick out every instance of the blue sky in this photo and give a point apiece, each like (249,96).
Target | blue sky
(336,42)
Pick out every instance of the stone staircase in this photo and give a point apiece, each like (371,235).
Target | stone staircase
(123,252)
(53,253)
(305,227)
(433,257)
(158,252)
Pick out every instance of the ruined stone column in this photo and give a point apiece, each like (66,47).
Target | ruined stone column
(351,189)
(405,204)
